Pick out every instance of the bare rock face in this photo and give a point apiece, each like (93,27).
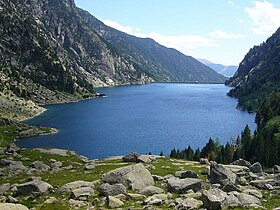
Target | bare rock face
(221,175)
(135,177)
(182,185)
(213,198)
(34,188)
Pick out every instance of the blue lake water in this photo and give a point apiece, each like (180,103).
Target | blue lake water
(146,118)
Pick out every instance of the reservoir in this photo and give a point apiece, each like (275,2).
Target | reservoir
(143,118)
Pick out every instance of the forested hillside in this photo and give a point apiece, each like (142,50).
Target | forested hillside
(258,75)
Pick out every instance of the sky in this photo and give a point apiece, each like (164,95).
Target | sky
(221,31)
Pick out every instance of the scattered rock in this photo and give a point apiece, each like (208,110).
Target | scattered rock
(151,190)
(11,149)
(131,157)
(51,200)
(13,165)
(4,188)
(230,187)
(242,200)
(69,167)
(40,166)
(220,174)
(247,200)
(266,184)
(83,193)
(186,174)
(122,197)
(55,151)
(189,203)
(11,199)
(231,201)
(135,177)
(74,185)
(213,199)
(34,188)
(113,202)
(254,192)
(138,197)
(203,161)
(156,199)
(146,158)
(256,168)
(34,178)
(237,169)
(241,162)
(276,169)
(78,204)
(11,206)
(111,190)
(56,164)
(90,166)
(182,185)
(157,178)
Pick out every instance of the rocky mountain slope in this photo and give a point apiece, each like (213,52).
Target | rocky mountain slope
(51,53)
(227,71)
(258,75)
(159,62)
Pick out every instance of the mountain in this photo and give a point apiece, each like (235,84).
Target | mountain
(159,62)
(227,71)
(51,53)
(258,75)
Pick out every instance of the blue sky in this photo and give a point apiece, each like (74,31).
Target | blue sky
(221,31)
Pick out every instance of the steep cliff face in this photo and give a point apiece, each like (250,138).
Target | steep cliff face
(258,75)
(161,63)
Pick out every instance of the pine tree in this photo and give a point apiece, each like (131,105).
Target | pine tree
(196,156)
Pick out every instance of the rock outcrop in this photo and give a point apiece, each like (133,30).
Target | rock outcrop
(111,190)
(135,177)
(34,188)
(182,185)
(221,175)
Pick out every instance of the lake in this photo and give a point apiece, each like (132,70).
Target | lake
(143,118)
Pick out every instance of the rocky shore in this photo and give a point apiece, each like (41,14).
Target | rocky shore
(61,179)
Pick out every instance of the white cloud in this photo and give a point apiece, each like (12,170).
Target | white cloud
(240,20)
(120,27)
(264,16)
(183,43)
(219,34)
(230,3)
